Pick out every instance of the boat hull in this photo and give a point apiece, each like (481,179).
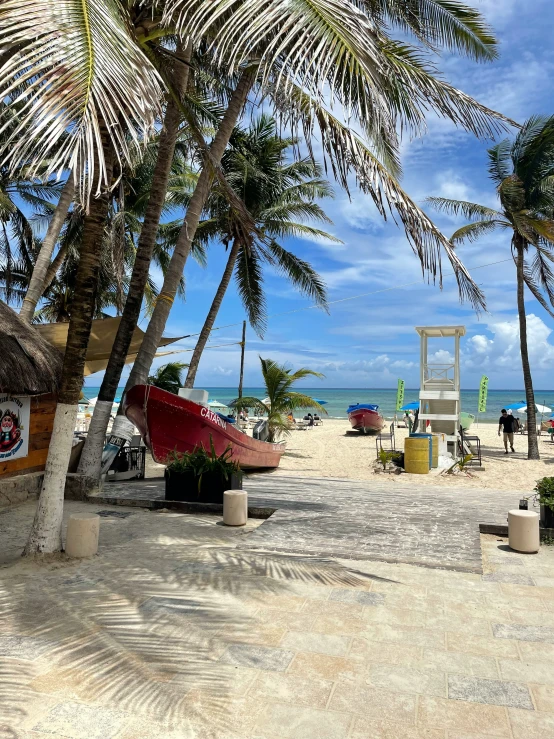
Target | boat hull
(366,421)
(169,423)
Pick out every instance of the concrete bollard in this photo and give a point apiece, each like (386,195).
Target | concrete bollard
(82,535)
(523,531)
(235,507)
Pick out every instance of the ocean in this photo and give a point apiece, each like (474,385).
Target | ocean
(338,399)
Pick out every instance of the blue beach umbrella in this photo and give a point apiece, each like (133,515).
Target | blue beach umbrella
(516,406)
(411,406)
(321,402)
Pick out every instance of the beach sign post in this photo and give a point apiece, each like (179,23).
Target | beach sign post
(400,395)
(482,402)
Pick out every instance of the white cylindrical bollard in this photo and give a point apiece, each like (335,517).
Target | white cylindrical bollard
(523,531)
(82,535)
(235,507)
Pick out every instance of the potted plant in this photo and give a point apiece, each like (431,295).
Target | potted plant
(545,496)
(201,476)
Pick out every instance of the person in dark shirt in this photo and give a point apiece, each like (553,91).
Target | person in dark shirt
(509,424)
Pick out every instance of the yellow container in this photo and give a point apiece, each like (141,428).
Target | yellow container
(435,451)
(416,455)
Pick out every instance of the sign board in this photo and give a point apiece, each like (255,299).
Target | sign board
(400,395)
(15,413)
(483,388)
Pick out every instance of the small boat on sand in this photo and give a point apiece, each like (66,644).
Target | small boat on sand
(169,423)
(365,418)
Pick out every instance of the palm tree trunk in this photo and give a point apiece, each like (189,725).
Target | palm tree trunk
(46,532)
(212,314)
(147,352)
(38,278)
(54,267)
(532,440)
(91,457)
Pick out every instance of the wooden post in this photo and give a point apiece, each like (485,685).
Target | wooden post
(242,344)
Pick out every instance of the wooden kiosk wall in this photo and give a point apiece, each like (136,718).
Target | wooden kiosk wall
(41,421)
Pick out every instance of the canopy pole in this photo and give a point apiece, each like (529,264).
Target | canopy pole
(242,345)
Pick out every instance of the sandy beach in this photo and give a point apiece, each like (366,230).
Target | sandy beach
(329,451)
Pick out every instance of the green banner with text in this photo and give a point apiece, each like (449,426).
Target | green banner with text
(483,388)
(400,395)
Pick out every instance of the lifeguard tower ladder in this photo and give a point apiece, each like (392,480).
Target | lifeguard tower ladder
(439,394)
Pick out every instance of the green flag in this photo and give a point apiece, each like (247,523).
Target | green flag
(483,387)
(400,395)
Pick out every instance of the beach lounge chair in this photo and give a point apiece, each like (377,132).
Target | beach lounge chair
(385,437)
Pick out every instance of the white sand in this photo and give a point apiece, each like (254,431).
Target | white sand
(328,451)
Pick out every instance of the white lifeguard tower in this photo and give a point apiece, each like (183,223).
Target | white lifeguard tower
(439,394)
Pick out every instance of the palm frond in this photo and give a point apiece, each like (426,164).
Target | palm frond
(300,273)
(70,67)
(249,279)
(473,231)
(446,23)
(500,161)
(463,207)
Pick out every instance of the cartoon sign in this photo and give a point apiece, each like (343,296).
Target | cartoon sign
(14,427)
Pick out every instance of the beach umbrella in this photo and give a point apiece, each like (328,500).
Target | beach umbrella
(411,406)
(522,407)
(321,402)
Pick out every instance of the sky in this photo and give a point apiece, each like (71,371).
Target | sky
(371,341)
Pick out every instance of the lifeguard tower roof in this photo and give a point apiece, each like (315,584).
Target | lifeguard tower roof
(441,331)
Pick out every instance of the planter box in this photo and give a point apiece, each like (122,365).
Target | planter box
(183,486)
(547,517)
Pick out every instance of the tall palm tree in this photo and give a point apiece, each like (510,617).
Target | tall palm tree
(168,377)
(378,82)
(298,49)
(523,172)
(276,194)
(281,399)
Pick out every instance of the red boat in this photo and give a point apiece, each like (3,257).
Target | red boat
(365,418)
(169,423)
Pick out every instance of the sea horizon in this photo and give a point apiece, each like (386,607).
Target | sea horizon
(338,399)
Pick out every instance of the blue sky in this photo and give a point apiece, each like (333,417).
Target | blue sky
(371,341)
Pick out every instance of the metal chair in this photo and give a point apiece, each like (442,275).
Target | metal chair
(385,437)
(470,445)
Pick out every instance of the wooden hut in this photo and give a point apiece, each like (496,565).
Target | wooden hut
(30,370)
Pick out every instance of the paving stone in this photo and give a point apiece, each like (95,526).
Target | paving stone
(471,718)
(263,658)
(523,633)
(305,641)
(544,697)
(283,723)
(78,721)
(24,647)
(459,663)
(486,646)
(356,596)
(291,689)
(364,728)
(529,672)
(494,692)
(509,577)
(326,667)
(527,725)
(407,680)
(373,702)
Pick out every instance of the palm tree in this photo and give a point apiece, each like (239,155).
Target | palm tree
(292,52)
(523,172)
(281,398)
(276,194)
(168,377)
(377,81)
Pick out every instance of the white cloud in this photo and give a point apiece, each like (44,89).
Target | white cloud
(502,352)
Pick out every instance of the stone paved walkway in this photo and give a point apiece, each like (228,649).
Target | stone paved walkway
(175,631)
(437,526)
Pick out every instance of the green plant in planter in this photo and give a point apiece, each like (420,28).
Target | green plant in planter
(545,492)
(385,457)
(201,462)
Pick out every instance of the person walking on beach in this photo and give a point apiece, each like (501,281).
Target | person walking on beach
(509,424)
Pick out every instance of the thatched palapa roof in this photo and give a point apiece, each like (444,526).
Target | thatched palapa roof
(29,365)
